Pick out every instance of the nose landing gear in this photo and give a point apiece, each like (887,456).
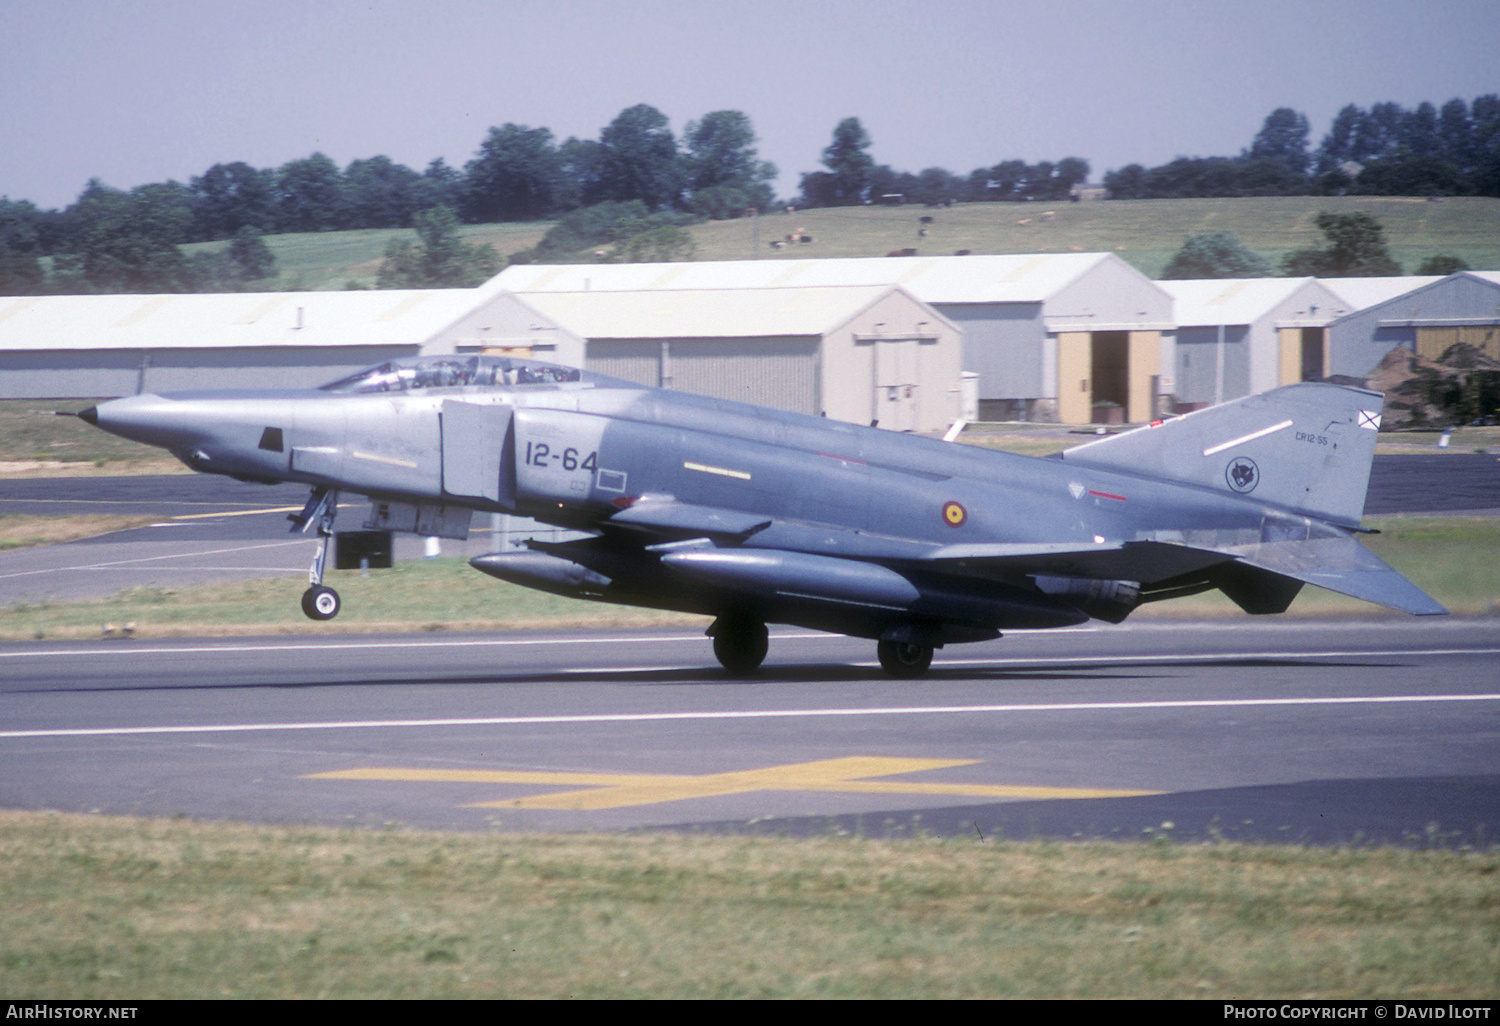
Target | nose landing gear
(319,602)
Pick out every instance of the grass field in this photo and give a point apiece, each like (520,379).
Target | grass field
(320,261)
(1145,233)
(108,908)
(1450,558)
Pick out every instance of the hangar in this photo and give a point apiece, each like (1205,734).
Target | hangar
(1238,336)
(1427,317)
(1064,336)
(90,346)
(863,354)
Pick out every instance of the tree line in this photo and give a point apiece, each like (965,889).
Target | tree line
(627,194)
(112,240)
(1384,151)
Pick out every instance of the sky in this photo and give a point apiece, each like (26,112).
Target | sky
(157,90)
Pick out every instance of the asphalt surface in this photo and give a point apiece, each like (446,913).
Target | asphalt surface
(1378,731)
(1386,731)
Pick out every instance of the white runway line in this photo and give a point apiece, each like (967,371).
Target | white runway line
(942,710)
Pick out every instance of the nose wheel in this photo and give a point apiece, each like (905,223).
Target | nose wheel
(320,603)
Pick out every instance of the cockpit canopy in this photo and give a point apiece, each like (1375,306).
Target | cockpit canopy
(454,372)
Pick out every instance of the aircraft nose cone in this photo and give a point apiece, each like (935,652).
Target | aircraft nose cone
(145,418)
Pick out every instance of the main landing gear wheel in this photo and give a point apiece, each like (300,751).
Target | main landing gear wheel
(740,643)
(904,660)
(320,603)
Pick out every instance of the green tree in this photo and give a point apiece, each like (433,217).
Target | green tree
(227,197)
(1071,171)
(1338,145)
(1356,249)
(1216,255)
(441,260)
(1006,178)
(582,235)
(379,193)
(21,271)
(1443,264)
(514,176)
(439,186)
(851,170)
(310,194)
(721,155)
(719,202)
(127,242)
(580,176)
(638,159)
(1129,182)
(236,267)
(250,252)
(1282,138)
(654,245)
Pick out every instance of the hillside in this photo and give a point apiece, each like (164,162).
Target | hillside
(1143,232)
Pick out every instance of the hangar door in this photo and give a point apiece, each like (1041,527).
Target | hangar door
(781,373)
(1304,354)
(1100,371)
(1434,342)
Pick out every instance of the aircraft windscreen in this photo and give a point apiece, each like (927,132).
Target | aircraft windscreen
(453,372)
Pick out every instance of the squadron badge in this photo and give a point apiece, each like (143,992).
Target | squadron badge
(1242,474)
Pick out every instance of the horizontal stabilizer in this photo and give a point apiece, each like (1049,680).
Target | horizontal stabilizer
(1343,565)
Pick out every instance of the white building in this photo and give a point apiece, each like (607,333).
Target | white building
(97,346)
(1051,336)
(863,354)
(1238,336)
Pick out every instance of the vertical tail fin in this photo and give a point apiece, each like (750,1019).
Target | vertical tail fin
(1306,448)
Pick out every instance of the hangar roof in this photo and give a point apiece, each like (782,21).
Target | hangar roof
(1214,301)
(699,313)
(1015,278)
(249,319)
(1361,293)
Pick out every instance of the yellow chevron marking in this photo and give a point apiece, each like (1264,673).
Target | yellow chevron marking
(849,775)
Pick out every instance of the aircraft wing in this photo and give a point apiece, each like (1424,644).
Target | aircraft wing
(1258,570)
(1147,562)
(1337,563)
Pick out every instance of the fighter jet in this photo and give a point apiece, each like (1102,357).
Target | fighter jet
(756,516)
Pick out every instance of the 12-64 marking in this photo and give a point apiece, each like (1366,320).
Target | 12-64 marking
(540,454)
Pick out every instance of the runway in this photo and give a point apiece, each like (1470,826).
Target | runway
(1360,732)
(1381,730)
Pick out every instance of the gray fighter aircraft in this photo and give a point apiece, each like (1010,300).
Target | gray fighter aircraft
(756,516)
